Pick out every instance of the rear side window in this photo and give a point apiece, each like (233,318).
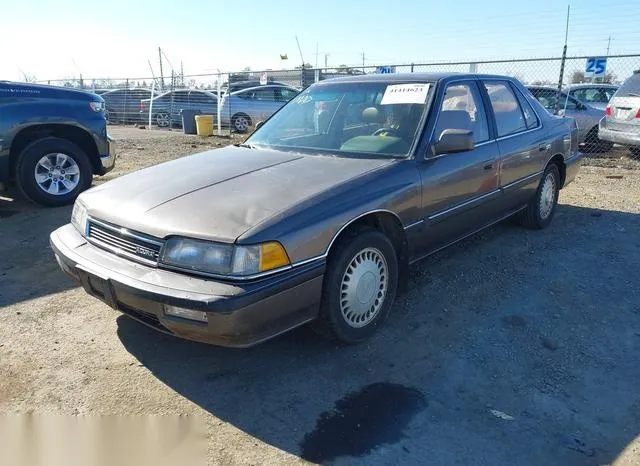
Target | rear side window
(506,108)
(630,88)
(530,117)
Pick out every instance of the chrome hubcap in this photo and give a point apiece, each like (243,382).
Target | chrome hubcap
(547,195)
(57,174)
(162,119)
(364,287)
(241,123)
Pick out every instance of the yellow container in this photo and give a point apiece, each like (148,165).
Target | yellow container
(204,125)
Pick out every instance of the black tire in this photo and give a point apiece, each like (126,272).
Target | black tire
(241,117)
(531,216)
(33,153)
(331,323)
(592,143)
(635,151)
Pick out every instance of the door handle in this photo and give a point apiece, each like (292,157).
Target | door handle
(488,166)
(544,147)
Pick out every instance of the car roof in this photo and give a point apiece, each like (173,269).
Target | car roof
(266,86)
(578,85)
(415,77)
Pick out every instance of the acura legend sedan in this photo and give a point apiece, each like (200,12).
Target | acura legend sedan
(317,216)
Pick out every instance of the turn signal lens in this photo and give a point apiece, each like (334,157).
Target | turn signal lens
(272,256)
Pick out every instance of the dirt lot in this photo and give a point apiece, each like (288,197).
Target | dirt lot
(513,347)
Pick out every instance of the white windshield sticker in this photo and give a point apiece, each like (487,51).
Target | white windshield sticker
(405,94)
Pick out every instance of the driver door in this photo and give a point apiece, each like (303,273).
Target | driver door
(460,191)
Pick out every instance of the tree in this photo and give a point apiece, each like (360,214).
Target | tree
(307,66)
(542,82)
(577,77)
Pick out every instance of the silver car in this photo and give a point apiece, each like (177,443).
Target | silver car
(586,115)
(244,108)
(621,123)
(594,94)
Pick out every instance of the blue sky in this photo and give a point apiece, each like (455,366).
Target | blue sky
(116,38)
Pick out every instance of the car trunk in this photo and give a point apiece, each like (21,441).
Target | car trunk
(625,113)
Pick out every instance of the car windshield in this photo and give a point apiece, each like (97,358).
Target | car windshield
(356,119)
(630,88)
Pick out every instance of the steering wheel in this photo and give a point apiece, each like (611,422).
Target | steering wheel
(394,132)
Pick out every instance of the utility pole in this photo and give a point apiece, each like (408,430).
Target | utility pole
(608,46)
(363,62)
(181,74)
(161,72)
(326,61)
(317,54)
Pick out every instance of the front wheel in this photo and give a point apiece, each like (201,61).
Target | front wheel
(542,206)
(359,287)
(53,171)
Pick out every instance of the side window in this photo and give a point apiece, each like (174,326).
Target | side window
(265,94)
(465,98)
(530,117)
(509,116)
(579,94)
(284,95)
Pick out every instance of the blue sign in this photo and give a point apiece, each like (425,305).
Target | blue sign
(596,67)
(385,69)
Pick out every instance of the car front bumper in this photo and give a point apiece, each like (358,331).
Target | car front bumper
(238,314)
(108,160)
(627,138)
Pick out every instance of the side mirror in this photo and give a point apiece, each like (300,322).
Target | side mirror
(259,124)
(454,140)
(560,112)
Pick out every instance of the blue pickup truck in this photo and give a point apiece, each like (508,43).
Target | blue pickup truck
(52,141)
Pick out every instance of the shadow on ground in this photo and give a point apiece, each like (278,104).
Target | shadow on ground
(28,269)
(513,347)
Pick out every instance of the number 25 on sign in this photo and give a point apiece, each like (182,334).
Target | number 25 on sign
(595,67)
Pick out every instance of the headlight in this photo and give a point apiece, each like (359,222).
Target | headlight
(223,259)
(79,217)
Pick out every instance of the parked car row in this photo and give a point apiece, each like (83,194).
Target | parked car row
(605,114)
(239,110)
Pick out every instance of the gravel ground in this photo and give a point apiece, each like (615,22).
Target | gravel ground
(513,347)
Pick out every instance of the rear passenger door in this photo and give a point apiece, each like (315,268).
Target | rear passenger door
(523,147)
(460,191)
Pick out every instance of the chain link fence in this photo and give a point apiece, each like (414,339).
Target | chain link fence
(236,101)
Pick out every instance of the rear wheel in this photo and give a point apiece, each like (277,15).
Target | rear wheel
(542,206)
(359,286)
(163,119)
(53,171)
(241,122)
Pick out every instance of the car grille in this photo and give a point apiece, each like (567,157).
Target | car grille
(123,242)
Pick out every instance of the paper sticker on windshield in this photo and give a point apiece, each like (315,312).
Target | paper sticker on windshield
(405,94)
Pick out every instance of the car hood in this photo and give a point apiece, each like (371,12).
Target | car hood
(219,194)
